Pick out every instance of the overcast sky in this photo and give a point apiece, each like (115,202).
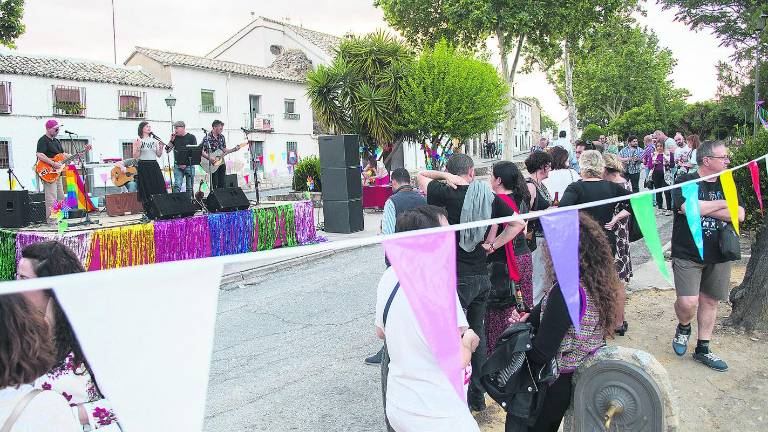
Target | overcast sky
(83,29)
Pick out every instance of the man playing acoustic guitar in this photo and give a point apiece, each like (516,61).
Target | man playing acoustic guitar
(48,146)
(212,142)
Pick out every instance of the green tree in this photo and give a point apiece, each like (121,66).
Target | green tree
(449,94)
(639,121)
(618,67)
(359,92)
(11,26)
(592,132)
(548,124)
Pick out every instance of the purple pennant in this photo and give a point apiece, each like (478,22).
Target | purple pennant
(562,233)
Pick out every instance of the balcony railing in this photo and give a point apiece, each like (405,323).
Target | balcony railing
(132,104)
(291,116)
(5,97)
(68,100)
(210,109)
(259,122)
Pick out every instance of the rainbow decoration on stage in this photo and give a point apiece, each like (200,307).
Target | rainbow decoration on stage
(75,190)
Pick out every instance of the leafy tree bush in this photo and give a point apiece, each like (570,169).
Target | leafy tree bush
(592,132)
(638,121)
(307,167)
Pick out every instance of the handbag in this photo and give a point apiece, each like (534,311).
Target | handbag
(18,410)
(730,247)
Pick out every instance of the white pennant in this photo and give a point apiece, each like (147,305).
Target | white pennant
(147,333)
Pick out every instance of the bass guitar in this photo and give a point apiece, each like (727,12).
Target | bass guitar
(120,178)
(48,173)
(218,159)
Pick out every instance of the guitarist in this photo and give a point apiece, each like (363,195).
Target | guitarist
(48,146)
(212,142)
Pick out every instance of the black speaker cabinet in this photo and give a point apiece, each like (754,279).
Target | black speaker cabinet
(227,199)
(341,184)
(36,197)
(36,212)
(14,209)
(170,206)
(230,181)
(339,151)
(343,217)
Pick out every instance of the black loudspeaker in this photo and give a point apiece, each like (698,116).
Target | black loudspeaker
(37,212)
(339,151)
(37,197)
(227,199)
(343,217)
(341,183)
(14,209)
(169,206)
(230,181)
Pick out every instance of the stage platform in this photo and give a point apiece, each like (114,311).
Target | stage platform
(122,241)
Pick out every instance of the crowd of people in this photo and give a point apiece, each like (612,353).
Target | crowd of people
(505,273)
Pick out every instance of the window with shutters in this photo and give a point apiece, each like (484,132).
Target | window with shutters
(68,100)
(208,102)
(5,154)
(132,104)
(127,149)
(290,110)
(5,97)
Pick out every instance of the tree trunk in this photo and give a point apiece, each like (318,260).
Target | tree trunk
(750,299)
(572,114)
(509,76)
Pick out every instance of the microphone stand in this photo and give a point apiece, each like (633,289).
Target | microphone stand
(168,148)
(12,175)
(87,221)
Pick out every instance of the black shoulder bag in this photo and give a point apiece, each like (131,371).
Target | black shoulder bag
(730,247)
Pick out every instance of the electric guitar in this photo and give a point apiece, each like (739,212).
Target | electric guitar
(48,173)
(120,178)
(218,159)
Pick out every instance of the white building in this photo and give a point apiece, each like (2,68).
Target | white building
(101,103)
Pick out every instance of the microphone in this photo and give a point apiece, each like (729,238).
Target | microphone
(167,147)
(245,131)
(204,131)
(69,133)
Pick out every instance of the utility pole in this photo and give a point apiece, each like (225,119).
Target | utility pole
(114,37)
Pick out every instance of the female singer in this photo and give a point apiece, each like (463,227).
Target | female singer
(149,178)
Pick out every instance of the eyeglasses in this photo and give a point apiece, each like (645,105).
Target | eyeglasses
(720,157)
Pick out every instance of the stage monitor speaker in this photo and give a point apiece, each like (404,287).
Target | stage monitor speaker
(14,209)
(37,197)
(343,217)
(339,151)
(340,184)
(230,181)
(36,212)
(170,206)
(120,204)
(226,200)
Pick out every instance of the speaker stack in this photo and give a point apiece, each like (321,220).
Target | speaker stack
(342,186)
(170,206)
(226,200)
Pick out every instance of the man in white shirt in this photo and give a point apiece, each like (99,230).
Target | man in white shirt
(565,143)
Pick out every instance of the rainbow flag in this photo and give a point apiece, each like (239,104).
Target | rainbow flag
(75,190)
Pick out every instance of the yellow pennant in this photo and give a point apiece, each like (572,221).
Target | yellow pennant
(731,197)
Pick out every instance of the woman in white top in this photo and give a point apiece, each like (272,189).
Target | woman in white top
(561,175)
(419,395)
(149,178)
(26,352)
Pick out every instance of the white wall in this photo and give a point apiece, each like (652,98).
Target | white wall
(253,48)
(32,107)
(232,96)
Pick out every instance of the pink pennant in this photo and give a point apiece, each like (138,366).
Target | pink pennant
(246,177)
(432,295)
(562,233)
(755,171)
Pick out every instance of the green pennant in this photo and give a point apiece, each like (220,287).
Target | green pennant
(645,216)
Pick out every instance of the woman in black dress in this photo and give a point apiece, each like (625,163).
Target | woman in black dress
(149,178)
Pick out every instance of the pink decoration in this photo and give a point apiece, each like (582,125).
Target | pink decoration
(104,177)
(246,177)
(80,243)
(182,239)
(755,171)
(562,233)
(432,295)
(304,215)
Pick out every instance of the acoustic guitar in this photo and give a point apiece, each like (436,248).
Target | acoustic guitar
(218,156)
(49,174)
(120,178)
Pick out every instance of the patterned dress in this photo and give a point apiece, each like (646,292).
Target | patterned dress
(497,320)
(622,259)
(75,383)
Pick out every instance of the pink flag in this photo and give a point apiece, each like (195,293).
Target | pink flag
(426,268)
(245,177)
(755,171)
(562,233)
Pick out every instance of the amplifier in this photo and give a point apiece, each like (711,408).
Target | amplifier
(169,206)
(226,200)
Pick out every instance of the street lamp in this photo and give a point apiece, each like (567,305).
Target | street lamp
(170,101)
(759,28)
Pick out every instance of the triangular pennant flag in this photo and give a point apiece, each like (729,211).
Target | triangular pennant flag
(642,207)
(731,197)
(157,329)
(562,233)
(432,295)
(755,173)
(693,215)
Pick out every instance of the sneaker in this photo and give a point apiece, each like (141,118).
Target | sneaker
(711,360)
(680,342)
(375,359)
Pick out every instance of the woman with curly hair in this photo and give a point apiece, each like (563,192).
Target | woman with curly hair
(26,352)
(539,166)
(70,375)
(508,184)
(556,337)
